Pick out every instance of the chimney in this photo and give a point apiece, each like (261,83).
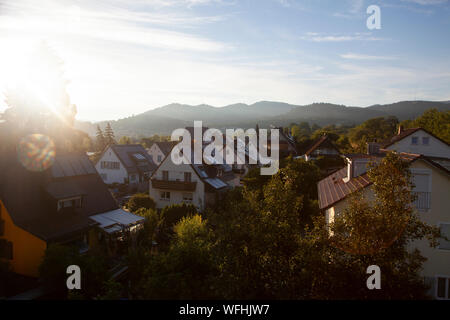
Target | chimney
(373,148)
(400,129)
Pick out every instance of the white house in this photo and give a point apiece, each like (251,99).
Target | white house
(432,185)
(159,150)
(125,163)
(199,184)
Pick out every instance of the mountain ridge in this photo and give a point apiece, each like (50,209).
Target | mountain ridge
(163,120)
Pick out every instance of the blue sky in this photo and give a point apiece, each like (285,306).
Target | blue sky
(125,57)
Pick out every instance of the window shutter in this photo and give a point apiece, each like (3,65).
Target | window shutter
(2,227)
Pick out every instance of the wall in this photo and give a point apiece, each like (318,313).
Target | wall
(176,197)
(28,250)
(435,148)
(112,175)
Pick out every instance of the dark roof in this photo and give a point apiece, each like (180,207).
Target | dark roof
(31,197)
(333,189)
(322,141)
(166,146)
(134,157)
(406,132)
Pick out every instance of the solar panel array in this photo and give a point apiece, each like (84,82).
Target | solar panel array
(72,165)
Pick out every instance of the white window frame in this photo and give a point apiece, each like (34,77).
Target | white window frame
(447,285)
(427,139)
(412,140)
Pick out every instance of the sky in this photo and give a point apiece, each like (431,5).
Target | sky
(124,57)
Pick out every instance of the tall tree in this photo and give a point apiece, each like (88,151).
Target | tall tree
(100,139)
(109,135)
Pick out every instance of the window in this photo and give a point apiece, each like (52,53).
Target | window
(187,197)
(445,231)
(159,159)
(443,288)
(187,176)
(425,140)
(165,195)
(414,140)
(165,175)
(69,203)
(115,165)
(422,190)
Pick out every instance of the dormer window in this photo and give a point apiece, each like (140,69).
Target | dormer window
(74,202)
(425,140)
(415,140)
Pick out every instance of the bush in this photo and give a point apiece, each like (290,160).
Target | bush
(140,200)
(170,216)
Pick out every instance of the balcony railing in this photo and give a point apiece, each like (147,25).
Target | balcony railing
(174,185)
(422,201)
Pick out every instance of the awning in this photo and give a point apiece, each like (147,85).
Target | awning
(116,220)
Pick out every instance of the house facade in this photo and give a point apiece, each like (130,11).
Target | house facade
(127,163)
(321,147)
(199,184)
(67,203)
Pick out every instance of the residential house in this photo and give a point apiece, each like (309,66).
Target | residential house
(321,147)
(159,150)
(199,184)
(125,163)
(67,203)
(432,184)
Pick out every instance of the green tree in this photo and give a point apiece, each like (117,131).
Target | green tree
(109,135)
(100,139)
(376,129)
(140,200)
(434,121)
(372,232)
(125,140)
(187,269)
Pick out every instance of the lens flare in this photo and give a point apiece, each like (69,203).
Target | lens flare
(36,152)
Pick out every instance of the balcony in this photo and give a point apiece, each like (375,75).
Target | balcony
(173,185)
(422,201)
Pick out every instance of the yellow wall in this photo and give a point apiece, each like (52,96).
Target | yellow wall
(28,250)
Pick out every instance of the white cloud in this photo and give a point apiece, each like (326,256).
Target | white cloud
(356,56)
(316,37)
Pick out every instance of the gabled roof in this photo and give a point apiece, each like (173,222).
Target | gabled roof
(166,146)
(133,157)
(31,197)
(322,141)
(407,132)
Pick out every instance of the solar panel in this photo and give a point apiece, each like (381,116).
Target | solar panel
(139,156)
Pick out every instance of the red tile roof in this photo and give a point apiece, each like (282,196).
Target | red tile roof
(333,189)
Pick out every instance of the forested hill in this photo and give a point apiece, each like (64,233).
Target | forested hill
(164,120)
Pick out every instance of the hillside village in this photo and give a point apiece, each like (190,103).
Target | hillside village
(153,228)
